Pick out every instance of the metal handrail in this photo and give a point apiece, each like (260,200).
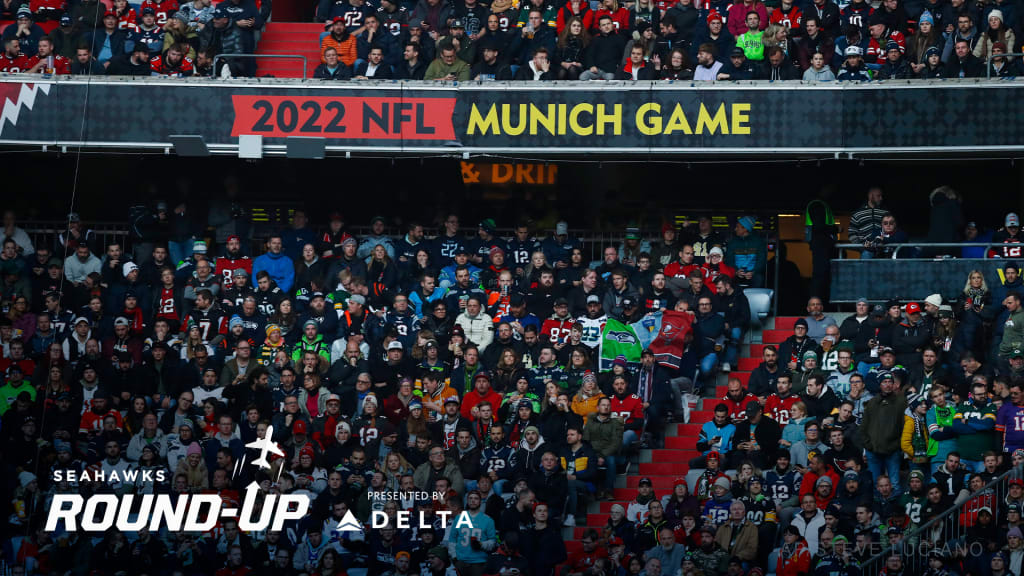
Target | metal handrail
(900,245)
(305,62)
(955,508)
(988,61)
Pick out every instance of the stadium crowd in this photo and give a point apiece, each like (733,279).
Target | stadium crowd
(813,40)
(476,367)
(537,40)
(154,37)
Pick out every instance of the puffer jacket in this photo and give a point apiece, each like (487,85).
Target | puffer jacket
(479,329)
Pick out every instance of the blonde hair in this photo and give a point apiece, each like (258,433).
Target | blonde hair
(984,284)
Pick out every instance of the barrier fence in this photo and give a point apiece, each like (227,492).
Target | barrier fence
(950,531)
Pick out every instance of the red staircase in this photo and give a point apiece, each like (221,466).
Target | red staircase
(289,38)
(664,465)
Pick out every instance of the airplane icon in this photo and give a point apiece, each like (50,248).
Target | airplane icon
(349,523)
(264,446)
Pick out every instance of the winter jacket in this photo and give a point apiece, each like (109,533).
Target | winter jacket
(424,475)
(605,435)
(605,51)
(743,545)
(809,529)
(877,432)
(479,329)
(280,267)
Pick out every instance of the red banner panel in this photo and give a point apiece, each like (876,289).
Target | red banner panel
(341,118)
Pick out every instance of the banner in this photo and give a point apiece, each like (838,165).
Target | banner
(618,339)
(669,345)
(909,280)
(509,118)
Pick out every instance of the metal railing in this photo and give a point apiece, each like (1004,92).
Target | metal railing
(916,245)
(305,62)
(988,61)
(949,530)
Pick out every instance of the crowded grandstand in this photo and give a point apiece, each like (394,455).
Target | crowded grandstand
(637,413)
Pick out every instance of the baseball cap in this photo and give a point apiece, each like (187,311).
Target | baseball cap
(646,481)
(916,474)
(561,302)
(309,323)
(628,302)
(458,24)
(562,228)
(299,427)
(65,20)
(853,51)
(333,398)
(1017,353)
(912,308)
(357,299)
(1012,220)
(240,273)
(148,10)
(851,475)
(451,400)
(593,299)
(737,51)
(885,350)
(122,321)
(395,345)
(713,454)
(632,233)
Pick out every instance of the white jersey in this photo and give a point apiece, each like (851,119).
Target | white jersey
(592,328)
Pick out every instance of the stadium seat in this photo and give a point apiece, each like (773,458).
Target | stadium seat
(760,300)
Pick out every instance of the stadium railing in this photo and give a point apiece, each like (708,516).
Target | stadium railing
(948,531)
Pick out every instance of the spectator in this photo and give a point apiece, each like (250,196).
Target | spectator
(332,68)
(341,40)
(708,68)
(853,71)
(604,52)
(878,435)
(447,67)
(276,263)
(537,69)
(26,31)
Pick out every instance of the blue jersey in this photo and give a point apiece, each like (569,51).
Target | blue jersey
(781,487)
(500,460)
(710,431)
(1010,421)
(717,511)
(460,538)
(153,39)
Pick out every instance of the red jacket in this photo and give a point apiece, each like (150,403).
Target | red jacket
(473,398)
(796,564)
(809,481)
(565,14)
(876,50)
(737,19)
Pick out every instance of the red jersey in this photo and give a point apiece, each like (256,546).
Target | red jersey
(163,9)
(679,270)
(778,408)
(620,18)
(15,64)
(56,5)
(92,421)
(580,561)
(27,365)
(167,307)
(226,266)
(184,68)
(792,20)
(61,65)
(738,410)
(664,5)
(128,20)
(557,330)
(712,272)
(876,49)
(211,322)
(629,409)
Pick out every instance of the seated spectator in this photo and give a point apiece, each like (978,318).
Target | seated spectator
(537,69)
(447,66)
(25,30)
(332,68)
(341,40)
(604,52)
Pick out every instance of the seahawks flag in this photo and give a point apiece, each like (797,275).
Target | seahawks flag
(618,339)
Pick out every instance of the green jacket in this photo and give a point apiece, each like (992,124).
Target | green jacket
(317,345)
(438,70)
(752,44)
(882,427)
(9,393)
(1013,334)
(605,436)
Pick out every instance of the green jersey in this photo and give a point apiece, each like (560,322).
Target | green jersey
(972,446)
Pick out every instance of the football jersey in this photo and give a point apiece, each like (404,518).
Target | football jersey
(211,322)
(1010,421)
(164,9)
(629,409)
(14,64)
(781,487)
(592,328)
(226,267)
(778,408)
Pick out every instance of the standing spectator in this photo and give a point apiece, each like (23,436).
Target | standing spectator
(866,222)
(974,424)
(879,433)
(248,20)
(747,254)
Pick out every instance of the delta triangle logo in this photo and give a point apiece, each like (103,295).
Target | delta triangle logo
(349,523)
